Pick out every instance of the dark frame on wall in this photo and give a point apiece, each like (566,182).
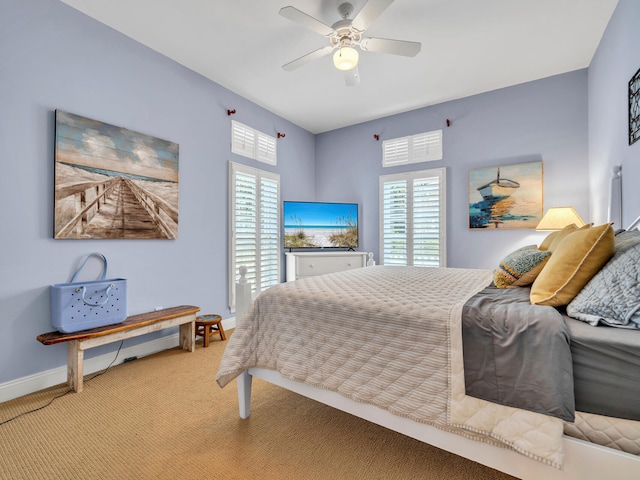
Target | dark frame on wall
(634,108)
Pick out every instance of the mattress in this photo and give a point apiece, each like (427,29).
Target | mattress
(606,369)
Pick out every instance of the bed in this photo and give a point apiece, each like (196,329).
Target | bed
(388,344)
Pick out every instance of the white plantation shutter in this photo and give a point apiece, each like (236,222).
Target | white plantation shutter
(242,139)
(427,146)
(412,218)
(245,239)
(426,222)
(254,227)
(266,150)
(394,222)
(269,233)
(395,152)
(422,147)
(253,144)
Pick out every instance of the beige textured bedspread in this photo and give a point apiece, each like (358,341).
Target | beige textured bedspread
(386,336)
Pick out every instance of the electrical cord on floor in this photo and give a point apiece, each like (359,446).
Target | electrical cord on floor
(67,392)
(108,366)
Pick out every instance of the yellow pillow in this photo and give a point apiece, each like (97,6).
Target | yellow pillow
(544,246)
(577,258)
(568,230)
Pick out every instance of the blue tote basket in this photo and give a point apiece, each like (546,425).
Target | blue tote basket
(77,306)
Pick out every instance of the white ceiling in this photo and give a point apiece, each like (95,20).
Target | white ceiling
(468,47)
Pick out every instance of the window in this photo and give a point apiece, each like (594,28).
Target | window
(254,228)
(412,218)
(253,144)
(423,147)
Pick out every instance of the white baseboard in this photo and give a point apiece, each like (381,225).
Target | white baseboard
(56,376)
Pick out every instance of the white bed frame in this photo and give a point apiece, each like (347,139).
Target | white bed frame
(583,460)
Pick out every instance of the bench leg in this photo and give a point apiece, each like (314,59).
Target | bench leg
(75,365)
(188,336)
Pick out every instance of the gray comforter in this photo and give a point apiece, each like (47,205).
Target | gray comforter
(509,345)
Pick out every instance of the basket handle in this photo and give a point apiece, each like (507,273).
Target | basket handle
(83,289)
(104,266)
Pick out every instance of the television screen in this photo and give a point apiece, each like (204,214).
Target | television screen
(320,225)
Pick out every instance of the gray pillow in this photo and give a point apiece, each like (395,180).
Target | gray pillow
(612,296)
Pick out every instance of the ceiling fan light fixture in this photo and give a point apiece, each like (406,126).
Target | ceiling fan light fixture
(345,58)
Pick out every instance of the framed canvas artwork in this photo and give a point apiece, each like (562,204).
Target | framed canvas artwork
(506,197)
(111,182)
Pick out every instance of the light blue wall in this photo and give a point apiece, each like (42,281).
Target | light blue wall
(615,62)
(53,57)
(542,120)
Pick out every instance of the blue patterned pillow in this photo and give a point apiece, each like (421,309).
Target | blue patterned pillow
(520,268)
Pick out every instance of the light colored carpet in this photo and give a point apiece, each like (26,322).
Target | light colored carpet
(164,417)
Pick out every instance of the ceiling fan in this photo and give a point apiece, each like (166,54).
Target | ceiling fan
(345,35)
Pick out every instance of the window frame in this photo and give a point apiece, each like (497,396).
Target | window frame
(418,148)
(410,178)
(253,144)
(254,276)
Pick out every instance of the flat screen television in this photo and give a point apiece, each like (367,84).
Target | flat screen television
(320,225)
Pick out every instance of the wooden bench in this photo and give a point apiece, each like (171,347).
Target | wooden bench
(78,342)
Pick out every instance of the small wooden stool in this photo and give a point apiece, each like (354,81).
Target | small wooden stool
(206,325)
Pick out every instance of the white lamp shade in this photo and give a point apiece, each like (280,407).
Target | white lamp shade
(345,58)
(557,218)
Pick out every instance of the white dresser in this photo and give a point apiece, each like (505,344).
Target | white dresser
(309,264)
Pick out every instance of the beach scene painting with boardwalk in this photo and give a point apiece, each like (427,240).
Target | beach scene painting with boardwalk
(111,182)
(506,197)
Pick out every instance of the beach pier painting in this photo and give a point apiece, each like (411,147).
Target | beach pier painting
(111,182)
(506,197)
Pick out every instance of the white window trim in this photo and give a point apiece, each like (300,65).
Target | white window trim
(251,143)
(409,177)
(421,147)
(234,169)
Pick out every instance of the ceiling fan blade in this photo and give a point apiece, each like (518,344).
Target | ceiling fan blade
(352,77)
(395,47)
(321,52)
(305,20)
(369,13)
